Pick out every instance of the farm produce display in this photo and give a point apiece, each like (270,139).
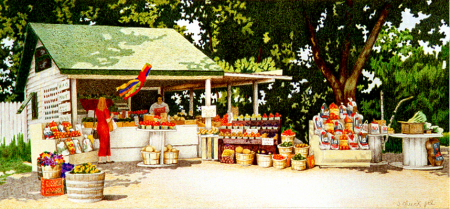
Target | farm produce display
(62,130)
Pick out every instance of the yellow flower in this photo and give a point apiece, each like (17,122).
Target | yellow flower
(89,163)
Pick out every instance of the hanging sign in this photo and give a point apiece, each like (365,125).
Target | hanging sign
(209,111)
(67,117)
(64,107)
(64,85)
(267,141)
(65,96)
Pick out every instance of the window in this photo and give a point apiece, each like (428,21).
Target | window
(43,59)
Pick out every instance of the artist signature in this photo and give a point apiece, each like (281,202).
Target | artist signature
(415,204)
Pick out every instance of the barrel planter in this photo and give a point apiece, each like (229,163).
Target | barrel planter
(49,172)
(85,188)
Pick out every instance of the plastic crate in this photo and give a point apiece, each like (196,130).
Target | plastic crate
(52,187)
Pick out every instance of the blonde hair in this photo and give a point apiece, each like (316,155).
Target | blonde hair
(101,103)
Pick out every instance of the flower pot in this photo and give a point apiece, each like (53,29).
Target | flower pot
(49,172)
(85,188)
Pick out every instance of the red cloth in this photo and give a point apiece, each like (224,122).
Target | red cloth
(103,132)
(160,110)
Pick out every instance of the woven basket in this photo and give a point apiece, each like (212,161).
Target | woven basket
(279,164)
(171,157)
(150,158)
(245,159)
(287,138)
(298,164)
(264,161)
(302,150)
(285,151)
(85,188)
(51,173)
(39,171)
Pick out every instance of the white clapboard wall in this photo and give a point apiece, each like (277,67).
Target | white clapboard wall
(11,123)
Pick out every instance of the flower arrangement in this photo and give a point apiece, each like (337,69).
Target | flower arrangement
(85,168)
(50,159)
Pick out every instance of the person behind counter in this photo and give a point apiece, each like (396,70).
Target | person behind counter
(159,107)
(103,118)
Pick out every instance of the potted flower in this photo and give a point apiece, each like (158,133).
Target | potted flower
(85,183)
(50,164)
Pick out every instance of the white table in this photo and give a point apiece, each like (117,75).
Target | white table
(375,145)
(415,154)
(162,137)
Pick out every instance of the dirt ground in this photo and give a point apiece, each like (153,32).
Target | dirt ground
(196,184)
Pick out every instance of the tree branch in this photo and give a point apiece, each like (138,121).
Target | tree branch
(343,66)
(331,79)
(364,55)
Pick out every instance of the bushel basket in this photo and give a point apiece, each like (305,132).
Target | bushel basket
(302,150)
(85,188)
(245,159)
(298,164)
(150,158)
(264,161)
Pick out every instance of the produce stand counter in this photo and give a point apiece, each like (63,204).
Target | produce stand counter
(251,144)
(337,158)
(39,145)
(415,154)
(127,142)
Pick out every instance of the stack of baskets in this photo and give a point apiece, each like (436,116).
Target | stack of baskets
(279,164)
(302,150)
(150,158)
(285,151)
(245,159)
(171,157)
(298,164)
(285,138)
(264,160)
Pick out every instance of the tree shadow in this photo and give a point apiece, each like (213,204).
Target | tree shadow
(114,197)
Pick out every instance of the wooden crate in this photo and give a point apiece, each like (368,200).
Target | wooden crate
(52,187)
(412,128)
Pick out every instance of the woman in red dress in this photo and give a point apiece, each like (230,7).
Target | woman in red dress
(103,118)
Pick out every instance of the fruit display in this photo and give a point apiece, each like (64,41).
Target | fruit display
(301,145)
(286,144)
(418,117)
(205,131)
(51,130)
(298,157)
(288,132)
(278,157)
(149,148)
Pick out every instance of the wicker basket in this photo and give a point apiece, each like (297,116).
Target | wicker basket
(150,158)
(285,151)
(287,138)
(279,164)
(85,188)
(171,157)
(298,164)
(264,161)
(302,150)
(245,159)
(412,128)
(51,173)
(39,171)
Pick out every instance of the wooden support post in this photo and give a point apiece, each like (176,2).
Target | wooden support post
(129,103)
(73,98)
(209,157)
(191,101)
(204,148)
(216,148)
(229,97)
(255,98)
(208,101)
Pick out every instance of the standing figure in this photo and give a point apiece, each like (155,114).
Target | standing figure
(103,118)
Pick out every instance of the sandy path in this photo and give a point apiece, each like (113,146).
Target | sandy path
(215,185)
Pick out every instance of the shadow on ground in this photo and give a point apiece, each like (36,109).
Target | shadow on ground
(29,187)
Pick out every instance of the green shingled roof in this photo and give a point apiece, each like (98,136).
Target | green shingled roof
(112,50)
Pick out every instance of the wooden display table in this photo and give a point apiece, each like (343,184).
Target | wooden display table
(337,158)
(415,154)
(39,145)
(162,137)
(210,147)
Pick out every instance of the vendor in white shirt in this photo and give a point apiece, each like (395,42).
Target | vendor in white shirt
(159,107)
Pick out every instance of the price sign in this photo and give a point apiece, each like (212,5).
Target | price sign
(65,107)
(67,117)
(209,111)
(249,131)
(65,96)
(267,141)
(63,85)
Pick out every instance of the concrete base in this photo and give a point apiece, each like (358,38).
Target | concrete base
(426,167)
(337,158)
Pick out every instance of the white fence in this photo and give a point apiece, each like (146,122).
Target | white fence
(11,123)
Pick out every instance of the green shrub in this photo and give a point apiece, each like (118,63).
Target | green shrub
(394,145)
(17,149)
(444,139)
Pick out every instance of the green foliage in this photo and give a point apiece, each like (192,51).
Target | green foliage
(393,145)
(444,139)
(17,149)
(406,71)
(12,164)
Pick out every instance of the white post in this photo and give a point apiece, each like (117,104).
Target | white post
(208,101)
(191,101)
(129,103)
(229,97)
(255,98)
(73,97)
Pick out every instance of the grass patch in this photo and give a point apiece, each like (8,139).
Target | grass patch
(12,164)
